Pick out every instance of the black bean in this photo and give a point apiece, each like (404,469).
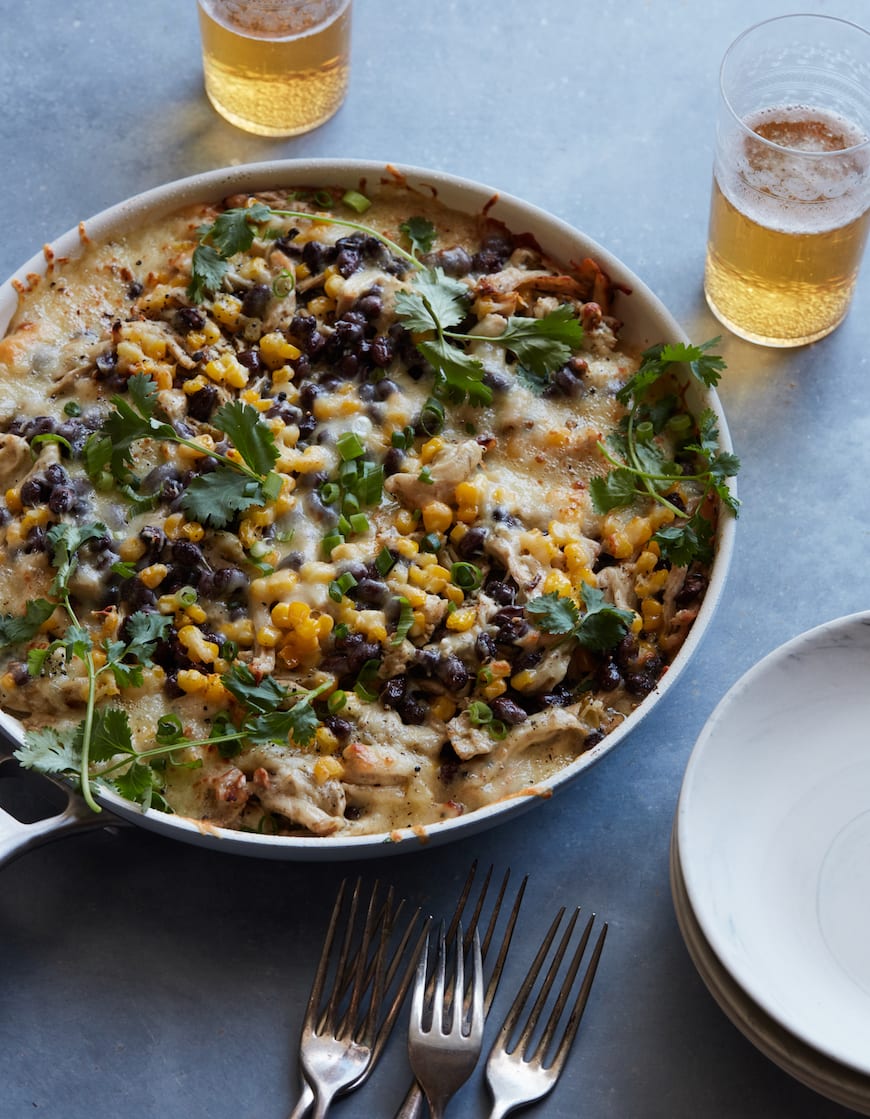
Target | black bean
(485,647)
(472,543)
(560,696)
(393,692)
(370,305)
(33,491)
(55,474)
(202,403)
(593,738)
(347,262)
(39,425)
(455,261)
(508,710)
(228,581)
(393,461)
(498,382)
(35,540)
(693,588)
(413,709)
(608,677)
(500,592)
(293,561)
(188,554)
(106,364)
(308,395)
(341,728)
(136,595)
(530,658)
(62,499)
(190,318)
(19,673)
(370,592)
(383,350)
(153,538)
(565,382)
(256,301)
(640,683)
(452,673)
(316,256)
(171,687)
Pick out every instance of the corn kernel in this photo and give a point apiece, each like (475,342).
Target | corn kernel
(334,286)
(443,708)
(558,582)
(13,501)
(461,620)
(495,689)
(523,680)
(405,547)
(268,636)
(227,369)
(276,351)
(321,306)
(131,549)
(192,681)
(172,525)
(645,563)
(153,575)
(405,522)
(467,493)
(454,594)
(193,531)
(651,612)
(430,449)
(327,742)
(437,517)
(227,310)
(198,649)
(327,769)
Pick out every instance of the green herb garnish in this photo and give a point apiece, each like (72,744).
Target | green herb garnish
(601,626)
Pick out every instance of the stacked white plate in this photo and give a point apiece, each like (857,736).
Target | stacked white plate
(770,858)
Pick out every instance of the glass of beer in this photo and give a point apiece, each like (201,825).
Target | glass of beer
(275,67)
(791,179)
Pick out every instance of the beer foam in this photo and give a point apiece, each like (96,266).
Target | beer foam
(783,181)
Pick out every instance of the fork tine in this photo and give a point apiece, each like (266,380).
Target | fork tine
(582,998)
(419,995)
(568,983)
(498,966)
(549,979)
(519,1002)
(404,983)
(458,998)
(323,963)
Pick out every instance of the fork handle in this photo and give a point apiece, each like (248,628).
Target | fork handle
(305,1101)
(412,1105)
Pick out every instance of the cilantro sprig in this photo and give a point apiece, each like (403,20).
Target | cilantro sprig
(430,308)
(213,498)
(656,436)
(601,625)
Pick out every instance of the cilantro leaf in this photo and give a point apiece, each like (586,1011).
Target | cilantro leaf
(63,541)
(233,230)
(542,344)
(459,373)
(613,491)
(50,750)
(681,544)
(16,630)
(258,695)
(420,232)
(207,273)
(554,613)
(215,498)
(136,784)
(437,302)
(251,437)
(143,631)
(603,625)
(300,722)
(600,627)
(110,735)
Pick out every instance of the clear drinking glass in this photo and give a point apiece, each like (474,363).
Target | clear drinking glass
(791,180)
(275,67)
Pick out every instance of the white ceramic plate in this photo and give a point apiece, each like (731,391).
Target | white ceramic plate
(647,322)
(773,827)
(836,1081)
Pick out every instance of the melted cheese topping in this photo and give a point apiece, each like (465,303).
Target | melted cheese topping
(436,694)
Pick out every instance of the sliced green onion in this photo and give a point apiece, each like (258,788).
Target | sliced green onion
(323,198)
(72,408)
(680,424)
(644,431)
(367,676)
(498,729)
(425,476)
(259,549)
(123,570)
(330,542)
(330,492)
(479,713)
(283,283)
(359,522)
(49,437)
(341,631)
(385,561)
(336,701)
(187,596)
(432,416)
(349,446)
(356,201)
(170,730)
(350,504)
(431,542)
(467,576)
(406,620)
(229,650)
(339,587)
(344,525)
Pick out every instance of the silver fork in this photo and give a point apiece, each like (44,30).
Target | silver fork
(412,1105)
(343,1036)
(444,1056)
(518,1075)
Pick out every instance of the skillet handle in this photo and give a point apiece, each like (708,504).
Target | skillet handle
(17,837)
